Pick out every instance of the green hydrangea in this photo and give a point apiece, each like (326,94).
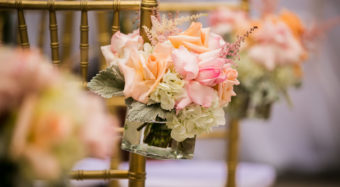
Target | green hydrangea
(194,120)
(248,71)
(286,77)
(168,91)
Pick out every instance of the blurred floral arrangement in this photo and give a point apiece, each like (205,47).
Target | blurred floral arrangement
(176,86)
(47,121)
(271,59)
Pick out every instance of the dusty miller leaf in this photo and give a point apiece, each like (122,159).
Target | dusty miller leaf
(144,113)
(108,83)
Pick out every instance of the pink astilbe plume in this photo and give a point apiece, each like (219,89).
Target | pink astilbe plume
(231,50)
(155,12)
(165,26)
(311,36)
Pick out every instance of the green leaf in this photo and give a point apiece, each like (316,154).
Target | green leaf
(108,83)
(144,113)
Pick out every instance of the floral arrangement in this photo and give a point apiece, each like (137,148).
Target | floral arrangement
(271,59)
(176,86)
(47,121)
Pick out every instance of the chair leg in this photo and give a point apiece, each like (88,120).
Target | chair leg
(114,165)
(137,173)
(232,157)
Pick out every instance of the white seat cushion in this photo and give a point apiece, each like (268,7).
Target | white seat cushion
(188,173)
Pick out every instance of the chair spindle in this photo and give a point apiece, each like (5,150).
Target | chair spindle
(41,33)
(22,29)
(115,19)
(84,44)
(54,36)
(103,34)
(68,21)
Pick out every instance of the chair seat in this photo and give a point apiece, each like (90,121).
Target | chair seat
(198,173)
(189,173)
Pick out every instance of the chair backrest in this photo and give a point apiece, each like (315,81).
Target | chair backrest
(203,6)
(136,173)
(83,6)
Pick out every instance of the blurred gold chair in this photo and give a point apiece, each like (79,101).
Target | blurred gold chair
(136,173)
(232,133)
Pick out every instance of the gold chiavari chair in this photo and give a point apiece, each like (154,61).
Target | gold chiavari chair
(231,135)
(136,173)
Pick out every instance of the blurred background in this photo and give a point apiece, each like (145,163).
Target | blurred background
(301,142)
(298,146)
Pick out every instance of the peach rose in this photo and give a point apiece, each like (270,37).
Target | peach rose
(119,41)
(225,89)
(293,22)
(34,140)
(197,39)
(142,76)
(120,45)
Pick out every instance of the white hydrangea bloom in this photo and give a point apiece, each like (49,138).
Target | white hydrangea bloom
(168,91)
(194,120)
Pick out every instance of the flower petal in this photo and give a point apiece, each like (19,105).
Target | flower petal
(185,63)
(108,55)
(195,48)
(185,101)
(200,94)
(119,41)
(194,29)
(215,41)
(178,40)
(210,76)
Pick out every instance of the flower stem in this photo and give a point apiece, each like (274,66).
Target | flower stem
(158,135)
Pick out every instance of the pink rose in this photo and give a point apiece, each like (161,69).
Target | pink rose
(22,72)
(202,72)
(196,93)
(210,76)
(185,63)
(276,45)
(206,68)
(200,94)
(142,76)
(211,70)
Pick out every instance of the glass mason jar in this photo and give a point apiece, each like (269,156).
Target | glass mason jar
(153,139)
(240,106)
